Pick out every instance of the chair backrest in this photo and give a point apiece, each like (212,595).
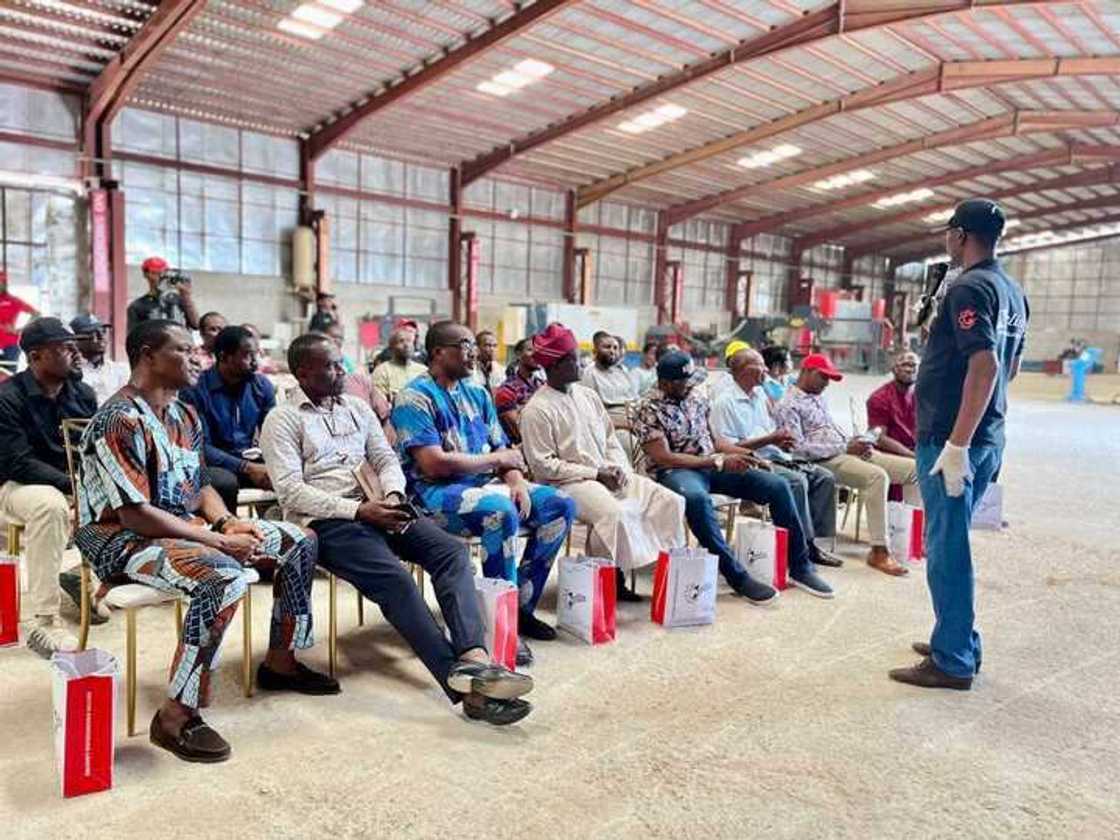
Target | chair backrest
(72,430)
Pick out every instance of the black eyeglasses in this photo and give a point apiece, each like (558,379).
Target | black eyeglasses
(465,345)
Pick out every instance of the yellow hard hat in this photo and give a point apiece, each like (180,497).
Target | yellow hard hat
(733,348)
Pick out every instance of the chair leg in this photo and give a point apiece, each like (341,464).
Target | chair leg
(418,574)
(179,617)
(859,513)
(361,610)
(130,668)
(332,623)
(730,529)
(83,631)
(247,642)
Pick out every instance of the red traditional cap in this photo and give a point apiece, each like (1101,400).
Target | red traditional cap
(552,344)
(154,264)
(821,362)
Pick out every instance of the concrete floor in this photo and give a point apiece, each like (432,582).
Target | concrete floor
(776,722)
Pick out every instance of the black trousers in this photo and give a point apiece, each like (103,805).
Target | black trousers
(227,484)
(370,559)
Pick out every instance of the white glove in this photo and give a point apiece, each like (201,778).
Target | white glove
(953,465)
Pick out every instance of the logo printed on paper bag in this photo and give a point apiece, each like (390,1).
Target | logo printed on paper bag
(695,590)
(572,598)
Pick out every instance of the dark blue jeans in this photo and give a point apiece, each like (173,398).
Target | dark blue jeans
(955,640)
(757,486)
(370,559)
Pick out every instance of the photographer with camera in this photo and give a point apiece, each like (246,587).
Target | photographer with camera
(168,298)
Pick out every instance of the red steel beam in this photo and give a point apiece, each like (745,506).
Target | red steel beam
(940,78)
(1093,177)
(845,16)
(1050,157)
(1069,207)
(1006,125)
(111,89)
(525,17)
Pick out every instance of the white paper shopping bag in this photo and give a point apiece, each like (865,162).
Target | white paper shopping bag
(900,521)
(684,588)
(586,598)
(763,549)
(84,687)
(988,515)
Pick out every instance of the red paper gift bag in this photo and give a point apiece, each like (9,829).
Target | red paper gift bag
(917,535)
(498,602)
(586,600)
(684,588)
(9,600)
(85,705)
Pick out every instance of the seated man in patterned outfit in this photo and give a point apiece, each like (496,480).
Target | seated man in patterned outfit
(145,517)
(673,428)
(460,467)
(512,395)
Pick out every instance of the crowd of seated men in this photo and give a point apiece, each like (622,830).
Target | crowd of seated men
(462,452)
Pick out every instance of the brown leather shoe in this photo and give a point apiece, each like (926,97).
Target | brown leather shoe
(195,742)
(927,675)
(881,559)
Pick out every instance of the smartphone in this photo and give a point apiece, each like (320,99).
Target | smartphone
(410,509)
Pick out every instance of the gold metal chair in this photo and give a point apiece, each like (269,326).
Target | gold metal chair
(131,597)
(332,615)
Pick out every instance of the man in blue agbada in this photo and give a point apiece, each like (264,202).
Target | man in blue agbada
(460,467)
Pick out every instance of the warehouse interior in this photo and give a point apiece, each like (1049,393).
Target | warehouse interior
(708,170)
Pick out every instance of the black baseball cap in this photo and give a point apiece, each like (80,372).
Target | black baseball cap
(86,324)
(677,366)
(43,331)
(978,215)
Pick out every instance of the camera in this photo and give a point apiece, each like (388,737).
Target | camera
(169,281)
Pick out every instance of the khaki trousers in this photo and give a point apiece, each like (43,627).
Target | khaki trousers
(873,479)
(44,514)
(660,516)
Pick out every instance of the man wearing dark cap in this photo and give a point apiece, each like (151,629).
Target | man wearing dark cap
(163,300)
(104,376)
(34,482)
(975,346)
(855,462)
(674,431)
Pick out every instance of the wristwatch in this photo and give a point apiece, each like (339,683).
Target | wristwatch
(718,459)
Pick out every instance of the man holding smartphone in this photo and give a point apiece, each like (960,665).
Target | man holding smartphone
(317,446)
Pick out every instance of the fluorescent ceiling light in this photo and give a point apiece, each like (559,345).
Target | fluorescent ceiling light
(769,156)
(317,15)
(940,216)
(857,176)
(647,120)
(512,79)
(493,88)
(533,69)
(920,194)
(1012,223)
(345,6)
(304,30)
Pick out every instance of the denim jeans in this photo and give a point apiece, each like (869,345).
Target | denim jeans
(955,641)
(759,486)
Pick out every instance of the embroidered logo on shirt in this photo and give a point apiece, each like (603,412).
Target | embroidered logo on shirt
(966,320)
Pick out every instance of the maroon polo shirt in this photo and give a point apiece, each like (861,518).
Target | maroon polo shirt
(895,410)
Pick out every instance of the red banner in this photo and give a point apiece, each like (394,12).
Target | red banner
(102,271)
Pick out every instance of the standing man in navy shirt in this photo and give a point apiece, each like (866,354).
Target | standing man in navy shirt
(232,401)
(974,350)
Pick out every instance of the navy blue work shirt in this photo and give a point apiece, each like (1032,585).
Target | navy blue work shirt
(984,309)
(231,421)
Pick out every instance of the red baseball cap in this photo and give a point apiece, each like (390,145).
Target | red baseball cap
(407,322)
(154,264)
(821,362)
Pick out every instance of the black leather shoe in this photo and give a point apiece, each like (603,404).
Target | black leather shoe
(923,649)
(196,741)
(824,558)
(623,592)
(531,626)
(488,680)
(524,654)
(927,675)
(496,712)
(303,681)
